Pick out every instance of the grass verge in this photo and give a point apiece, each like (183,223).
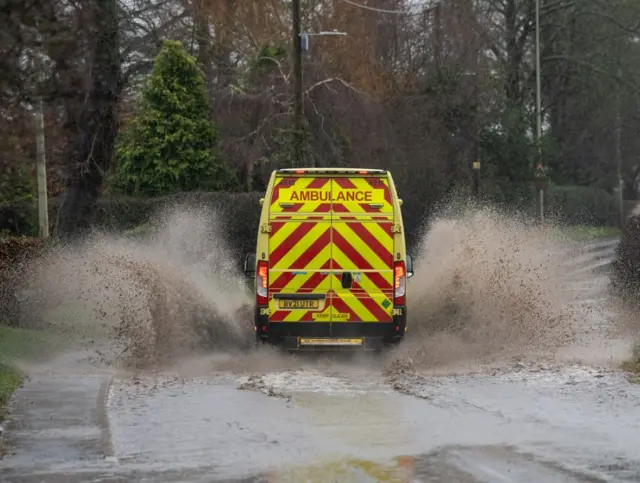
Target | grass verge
(10,380)
(587,233)
(632,366)
(20,345)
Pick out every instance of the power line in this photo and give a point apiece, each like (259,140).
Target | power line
(379,10)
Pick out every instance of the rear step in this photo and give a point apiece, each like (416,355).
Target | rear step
(304,344)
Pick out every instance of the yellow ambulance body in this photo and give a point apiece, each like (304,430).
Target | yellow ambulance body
(330,265)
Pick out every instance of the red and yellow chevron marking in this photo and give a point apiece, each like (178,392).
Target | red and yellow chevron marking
(322,226)
(378,199)
(300,260)
(312,282)
(365,298)
(301,195)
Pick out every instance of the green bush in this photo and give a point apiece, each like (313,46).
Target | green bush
(16,181)
(582,205)
(19,218)
(10,380)
(170,144)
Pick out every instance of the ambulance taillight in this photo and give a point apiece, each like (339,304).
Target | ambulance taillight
(400,288)
(262,282)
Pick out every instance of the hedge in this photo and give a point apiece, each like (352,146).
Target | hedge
(566,204)
(582,205)
(626,267)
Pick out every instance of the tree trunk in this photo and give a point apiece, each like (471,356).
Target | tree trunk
(90,147)
(513,75)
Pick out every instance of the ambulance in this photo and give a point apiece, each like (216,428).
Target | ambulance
(330,268)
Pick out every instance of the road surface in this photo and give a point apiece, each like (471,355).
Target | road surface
(272,418)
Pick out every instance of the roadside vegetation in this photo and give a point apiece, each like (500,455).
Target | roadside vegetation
(633,365)
(19,346)
(200,100)
(626,280)
(10,380)
(590,232)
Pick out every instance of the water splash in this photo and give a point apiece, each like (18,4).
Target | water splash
(490,284)
(148,300)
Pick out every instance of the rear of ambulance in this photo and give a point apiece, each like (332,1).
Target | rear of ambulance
(331,265)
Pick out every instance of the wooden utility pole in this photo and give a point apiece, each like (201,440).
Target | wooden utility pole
(618,152)
(297,73)
(539,108)
(43,208)
(437,27)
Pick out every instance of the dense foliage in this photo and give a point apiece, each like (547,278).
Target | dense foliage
(420,88)
(169,145)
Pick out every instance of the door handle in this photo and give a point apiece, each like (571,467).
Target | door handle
(346,279)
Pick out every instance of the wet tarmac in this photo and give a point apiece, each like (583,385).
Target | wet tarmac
(330,420)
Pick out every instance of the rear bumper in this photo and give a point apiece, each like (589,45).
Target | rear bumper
(375,334)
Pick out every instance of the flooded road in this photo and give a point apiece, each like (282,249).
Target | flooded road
(340,423)
(570,418)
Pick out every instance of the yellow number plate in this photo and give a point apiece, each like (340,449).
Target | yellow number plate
(299,304)
(330,341)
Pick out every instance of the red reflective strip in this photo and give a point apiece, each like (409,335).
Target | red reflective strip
(276,189)
(323,208)
(312,284)
(379,281)
(294,208)
(340,208)
(345,183)
(372,306)
(278,218)
(365,235)
(317,278)
(387,228)
(342,307)
(310,253)
(318,183)
(369,303)
(275,226)
(383,186)
(290,242)
(281,280)
(387,195)
(279,315)
(369,209)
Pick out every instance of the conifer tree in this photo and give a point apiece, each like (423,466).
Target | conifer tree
(170,144)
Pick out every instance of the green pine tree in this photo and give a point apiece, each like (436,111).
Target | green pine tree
(170,144)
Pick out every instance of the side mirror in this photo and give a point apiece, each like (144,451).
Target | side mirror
(250,264)
(409,266)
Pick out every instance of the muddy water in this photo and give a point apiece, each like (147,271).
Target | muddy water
(563,423)
(144,301)
(506,375)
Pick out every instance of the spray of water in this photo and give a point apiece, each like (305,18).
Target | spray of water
(490,285)
(146,301)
